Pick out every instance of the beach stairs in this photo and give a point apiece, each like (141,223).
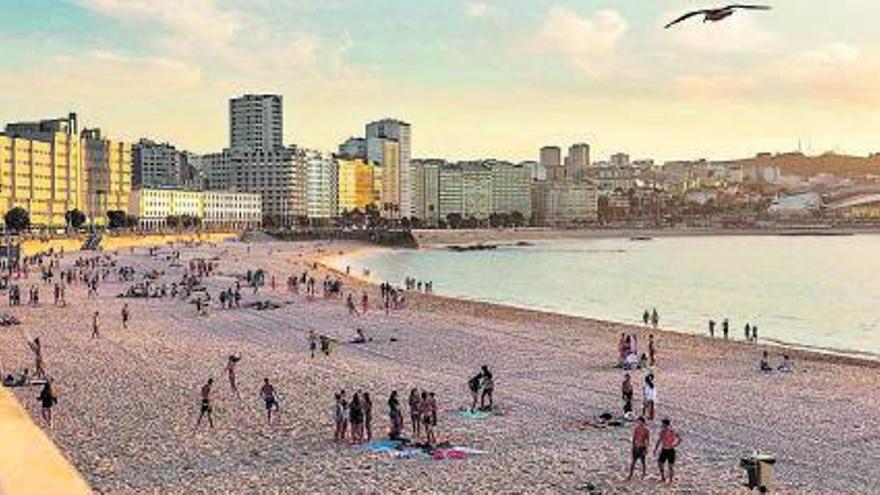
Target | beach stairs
(92,242)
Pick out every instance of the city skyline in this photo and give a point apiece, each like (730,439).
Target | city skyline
(505,78)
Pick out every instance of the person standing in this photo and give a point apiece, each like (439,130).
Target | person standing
(725,328)
(125,315)
(646,317)
(755,333)
(655,318)
(206,409)
(47,401)
(37,348)
(712,329)
(626,392)
(640,440)
(488,385)
(95,325)
(356,418)
(649,397)
(395,417)
(313,343)
(415,404)
(652,350)
(230,372)
(270,398)
(667,442)
(748,331)
(474,387)
(367,405)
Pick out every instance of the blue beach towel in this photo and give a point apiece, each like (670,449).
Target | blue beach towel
(474,414)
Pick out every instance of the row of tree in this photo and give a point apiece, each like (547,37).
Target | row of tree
(371,218)
(19,220)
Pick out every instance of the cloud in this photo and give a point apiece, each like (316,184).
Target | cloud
(183,24)
(476,8)
(586,42)
(719,86)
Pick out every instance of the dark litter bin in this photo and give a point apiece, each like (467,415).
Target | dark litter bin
(759,471)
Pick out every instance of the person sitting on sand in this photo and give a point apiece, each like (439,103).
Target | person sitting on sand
(786,366)
(206,409)
(765,362)
(415,404)
(361,338)
(640,440)
(488,389)
(667,442)
(270,398)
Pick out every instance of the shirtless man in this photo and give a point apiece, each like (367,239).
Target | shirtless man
(37,349)
(230,372)
(640,441)
(667,441)
(267,393)
(206,408)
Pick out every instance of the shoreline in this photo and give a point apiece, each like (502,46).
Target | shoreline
(438,238)
(334,263)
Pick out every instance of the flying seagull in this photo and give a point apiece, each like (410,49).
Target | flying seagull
(716,15)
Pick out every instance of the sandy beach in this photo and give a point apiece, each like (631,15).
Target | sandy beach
(128,401)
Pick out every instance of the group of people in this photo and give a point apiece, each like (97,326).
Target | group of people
(785,366)
(628,356)
(750,330)
(653,318)
(353,419)
(649,397)
(482,388)
(417,285)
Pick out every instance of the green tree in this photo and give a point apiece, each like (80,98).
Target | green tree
(454,220)
(17,219)
(517,219)
(75,218)
(172,221)
(116,219)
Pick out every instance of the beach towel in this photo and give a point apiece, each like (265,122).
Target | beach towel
(466,413)
(382,446)
(455,453)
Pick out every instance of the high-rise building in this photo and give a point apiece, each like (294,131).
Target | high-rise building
(357,187)
(577,161)
(256,123)
(392,137)
(51,166)
(561,203)
(511,189)
(157,165)
(550,158)
(450,194)
(353,147)
(426,190)
(619,160)
(323,185)
(476,187)
(538,172)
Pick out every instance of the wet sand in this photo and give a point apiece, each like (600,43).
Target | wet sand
(128,401)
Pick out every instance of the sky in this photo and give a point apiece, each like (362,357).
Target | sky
(475,78)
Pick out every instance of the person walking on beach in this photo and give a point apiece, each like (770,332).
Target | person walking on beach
(125,315)
(47,402)
(230,372)
(206,409)
(626,392)
(37,348)
(95,325)
(667,442)
(755,333)
(646,317)
(725,327)
(652,350)
(641,439)
(365,303)
(488,385)
(748,331)
(655,318)
(415,405)
(270,398)
(712,329)
(649,397)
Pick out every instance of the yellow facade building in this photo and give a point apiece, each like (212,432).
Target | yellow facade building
(49,167)
(356,184)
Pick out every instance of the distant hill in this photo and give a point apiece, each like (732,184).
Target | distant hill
(797,163)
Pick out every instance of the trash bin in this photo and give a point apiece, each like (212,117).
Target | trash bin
(759,471)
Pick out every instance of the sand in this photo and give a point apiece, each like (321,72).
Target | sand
(128,401)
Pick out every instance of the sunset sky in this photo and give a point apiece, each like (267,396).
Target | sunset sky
(476,78)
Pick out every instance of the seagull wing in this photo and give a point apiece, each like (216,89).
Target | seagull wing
(686,16)
(745,6)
